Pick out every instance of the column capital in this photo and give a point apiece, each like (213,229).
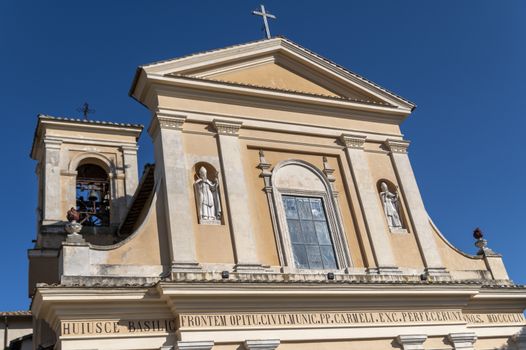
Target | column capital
(194,345)
(397,146)
(227,127)
(462,340)
(353,141)
(412,341)
(166,121)
(262,344)
(52,143)
(129,149)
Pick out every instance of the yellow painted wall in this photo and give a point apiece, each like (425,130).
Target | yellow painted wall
(147,246)
(273,76)
(455,260)
(405,246)
(213,242)
(259,202)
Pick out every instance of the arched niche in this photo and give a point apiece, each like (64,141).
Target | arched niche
(392,206)
(212,172)
(207,194)
(306,216)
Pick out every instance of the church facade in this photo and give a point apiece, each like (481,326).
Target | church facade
(281,212)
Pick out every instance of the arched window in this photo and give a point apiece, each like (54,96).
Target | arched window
(93,195)
(309,231)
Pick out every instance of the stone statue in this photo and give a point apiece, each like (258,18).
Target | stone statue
(391,207)
(207,196)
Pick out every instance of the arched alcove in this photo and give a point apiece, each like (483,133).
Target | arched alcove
(207,195)
(392,206)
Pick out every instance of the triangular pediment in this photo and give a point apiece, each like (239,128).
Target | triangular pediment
(272,76)
(277,71)
(277,64)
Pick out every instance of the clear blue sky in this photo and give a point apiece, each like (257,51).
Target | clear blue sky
(462,62)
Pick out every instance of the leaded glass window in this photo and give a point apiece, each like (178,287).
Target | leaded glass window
(311,241)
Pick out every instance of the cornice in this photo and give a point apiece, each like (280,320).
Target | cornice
(271,290)
(211,86)
(78,124)
(46,122)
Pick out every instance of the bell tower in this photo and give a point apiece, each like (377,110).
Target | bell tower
(87,165)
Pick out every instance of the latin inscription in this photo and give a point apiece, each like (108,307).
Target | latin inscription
(76,328)
(494,318)
(313,319)
(318,319)
(273,320)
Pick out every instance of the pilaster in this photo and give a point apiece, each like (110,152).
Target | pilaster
(462,341)
(416,209)
(74,259)
(131,174)
(237,195)
(367,194)
(166,132)
(262,344)
(412,341)
(52,189)
(194,345)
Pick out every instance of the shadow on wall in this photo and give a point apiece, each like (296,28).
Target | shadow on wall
(516,342)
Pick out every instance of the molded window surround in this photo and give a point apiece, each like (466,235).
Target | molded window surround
(315,229)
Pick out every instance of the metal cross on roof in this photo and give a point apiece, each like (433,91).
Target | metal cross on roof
(85,110)
(264,14)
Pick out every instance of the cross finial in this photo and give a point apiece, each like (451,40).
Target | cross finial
(264,14)
(85,110)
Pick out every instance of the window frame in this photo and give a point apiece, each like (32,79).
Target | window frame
(323,198)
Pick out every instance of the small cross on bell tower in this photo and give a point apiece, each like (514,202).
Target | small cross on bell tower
(85,110)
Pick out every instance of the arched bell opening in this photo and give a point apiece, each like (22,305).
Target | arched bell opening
(93,195)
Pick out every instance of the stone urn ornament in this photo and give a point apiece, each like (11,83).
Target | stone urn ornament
(73,227)
(481,243)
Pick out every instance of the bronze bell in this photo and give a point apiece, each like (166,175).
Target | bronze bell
(93,196)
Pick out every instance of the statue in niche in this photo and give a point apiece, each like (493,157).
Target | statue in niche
(207,195)
(391,205)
